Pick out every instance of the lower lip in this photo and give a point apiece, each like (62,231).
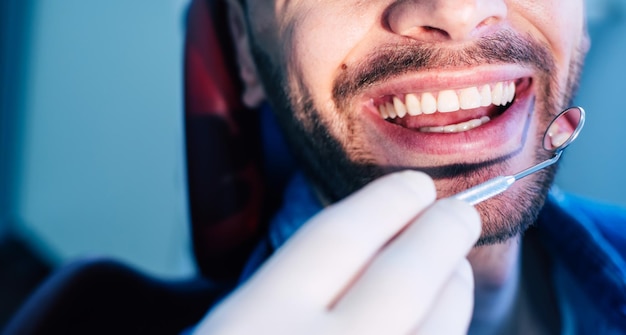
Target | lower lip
(501,135)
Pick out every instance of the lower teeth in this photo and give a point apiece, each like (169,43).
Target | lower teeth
(456,128)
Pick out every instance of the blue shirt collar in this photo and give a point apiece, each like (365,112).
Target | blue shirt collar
(300,204)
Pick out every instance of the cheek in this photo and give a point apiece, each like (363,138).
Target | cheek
(558,23)
(321,43)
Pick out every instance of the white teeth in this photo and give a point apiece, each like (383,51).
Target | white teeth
(505,94)
(469,98)
(391,111)
(399,107)
(456,128)
(438,129)
(447,101)
(496,94)
(382,109)
(557,137)
(510,92)
(450,129)
(485,96)
(413,104)
(429,103)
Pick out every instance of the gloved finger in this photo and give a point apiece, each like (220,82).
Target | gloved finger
(330,250)
(400,286)
(452,312)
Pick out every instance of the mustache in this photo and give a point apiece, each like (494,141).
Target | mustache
(388,61)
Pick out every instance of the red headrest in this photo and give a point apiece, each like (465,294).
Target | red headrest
(223,147)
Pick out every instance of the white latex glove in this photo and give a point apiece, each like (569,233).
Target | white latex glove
(386,260)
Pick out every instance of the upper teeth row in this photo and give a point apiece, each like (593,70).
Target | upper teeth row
(446,101)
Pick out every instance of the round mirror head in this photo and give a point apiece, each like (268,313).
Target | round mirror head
(564,129)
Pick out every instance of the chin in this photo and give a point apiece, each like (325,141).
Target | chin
(509,214)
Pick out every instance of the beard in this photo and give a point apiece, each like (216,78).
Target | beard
(338,167)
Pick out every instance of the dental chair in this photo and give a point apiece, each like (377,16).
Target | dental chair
(228,203)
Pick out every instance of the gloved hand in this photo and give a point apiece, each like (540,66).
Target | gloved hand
(387,260)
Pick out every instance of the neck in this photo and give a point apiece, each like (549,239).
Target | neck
(496,275)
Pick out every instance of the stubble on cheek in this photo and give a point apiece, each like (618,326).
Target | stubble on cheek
(320,154)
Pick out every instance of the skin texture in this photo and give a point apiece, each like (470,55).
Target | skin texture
(325,66)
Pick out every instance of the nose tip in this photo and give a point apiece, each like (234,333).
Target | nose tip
(455,20)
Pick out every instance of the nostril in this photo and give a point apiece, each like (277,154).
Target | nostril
(425,33)
(435,32)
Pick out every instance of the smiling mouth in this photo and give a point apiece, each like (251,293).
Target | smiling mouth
(451,110)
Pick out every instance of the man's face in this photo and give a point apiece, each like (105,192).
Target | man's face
(460,89)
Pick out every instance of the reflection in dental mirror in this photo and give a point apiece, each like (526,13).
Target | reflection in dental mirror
(561,132)
(564,129)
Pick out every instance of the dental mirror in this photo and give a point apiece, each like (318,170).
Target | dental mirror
(561,132)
